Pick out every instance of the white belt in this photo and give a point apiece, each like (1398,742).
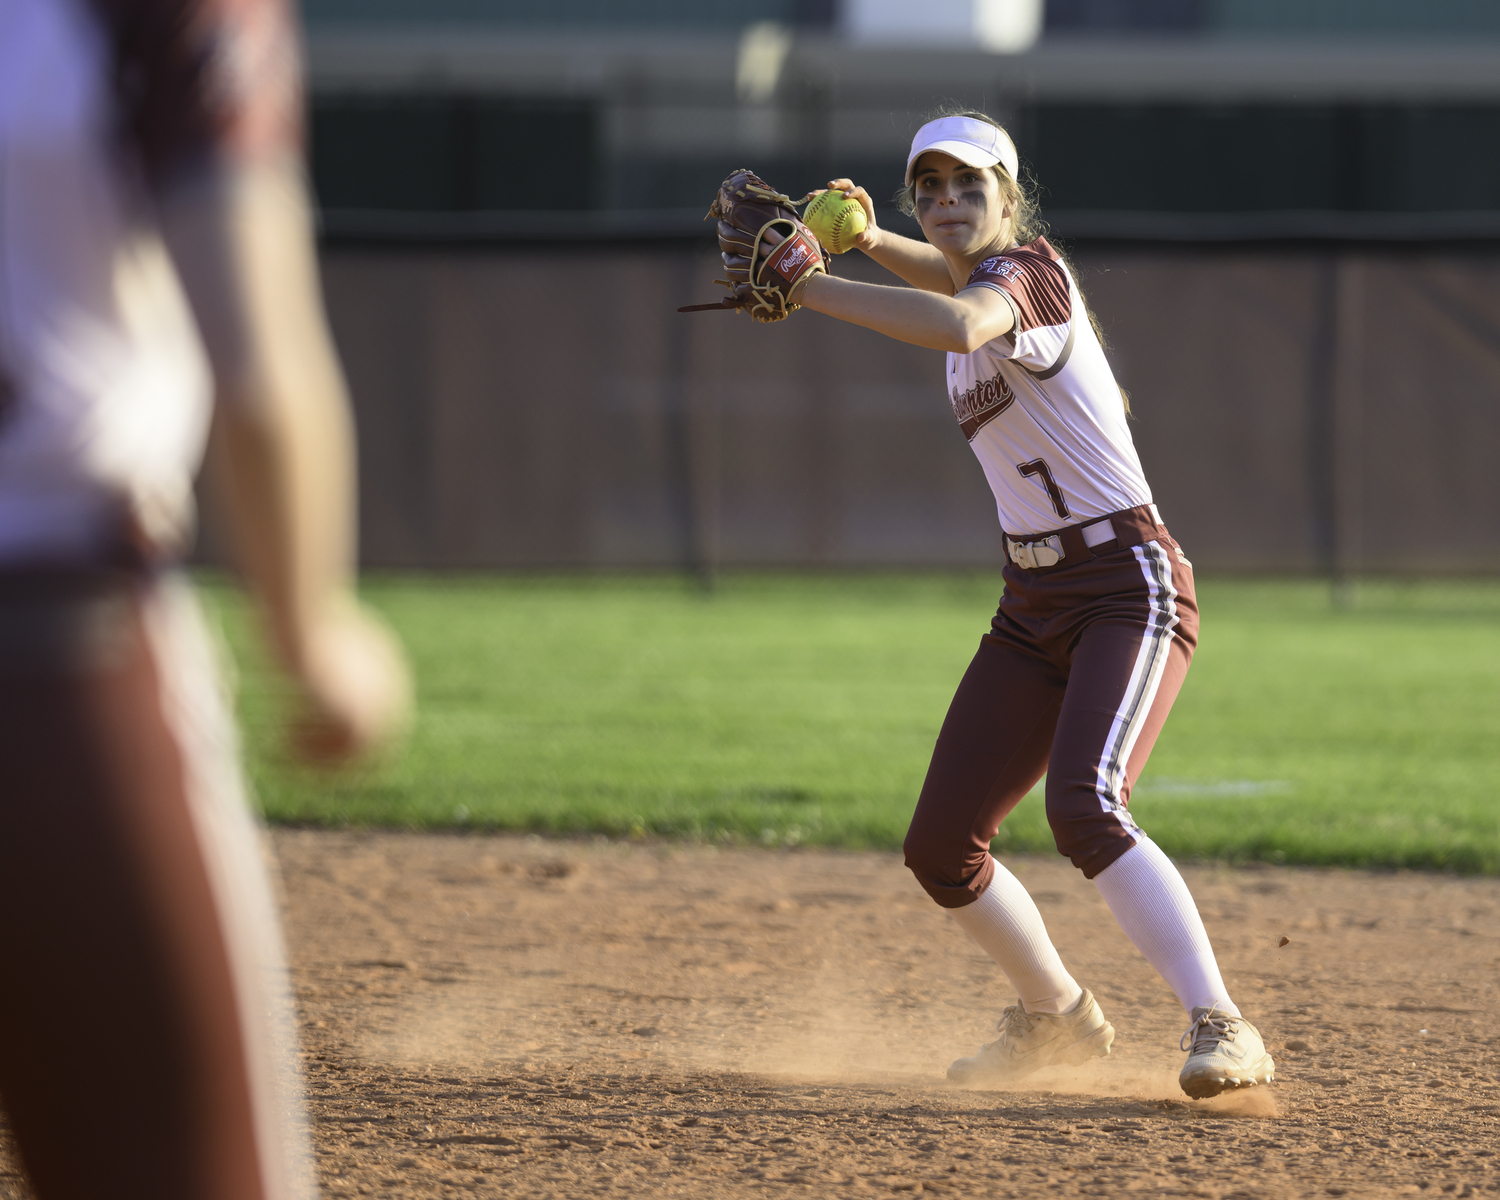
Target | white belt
(1030,555)
(1099,531)
(1049,551)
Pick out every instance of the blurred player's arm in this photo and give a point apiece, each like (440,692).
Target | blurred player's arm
(282,447)
(919,263)
(960,323)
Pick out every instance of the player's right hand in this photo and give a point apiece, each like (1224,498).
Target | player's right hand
(355,684)
(870,238)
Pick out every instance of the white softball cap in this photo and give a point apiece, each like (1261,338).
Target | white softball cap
(974,143)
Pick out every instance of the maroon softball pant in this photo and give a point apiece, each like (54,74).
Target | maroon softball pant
(133,997)
(1074,681)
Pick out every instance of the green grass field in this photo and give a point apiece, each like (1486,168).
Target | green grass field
(787,709)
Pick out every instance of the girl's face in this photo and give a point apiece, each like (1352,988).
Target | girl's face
(959,207)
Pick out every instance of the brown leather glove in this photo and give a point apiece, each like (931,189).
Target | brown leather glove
(768,252)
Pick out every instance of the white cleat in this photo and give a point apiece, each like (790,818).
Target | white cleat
(1030,1041)
(1224,1053)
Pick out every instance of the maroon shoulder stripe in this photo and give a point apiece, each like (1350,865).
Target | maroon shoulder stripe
(205,77)
(1034,279)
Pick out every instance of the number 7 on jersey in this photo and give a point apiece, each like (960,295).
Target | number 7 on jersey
(1038,466)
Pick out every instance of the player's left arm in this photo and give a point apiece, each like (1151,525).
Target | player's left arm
(217,117)
(960,323)
(283,443)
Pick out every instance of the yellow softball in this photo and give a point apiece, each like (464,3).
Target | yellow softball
(835,219)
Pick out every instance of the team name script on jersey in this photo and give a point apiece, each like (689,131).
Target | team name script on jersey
(981,404)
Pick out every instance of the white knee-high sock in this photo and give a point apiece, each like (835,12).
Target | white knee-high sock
(1004,921)
(1155,909)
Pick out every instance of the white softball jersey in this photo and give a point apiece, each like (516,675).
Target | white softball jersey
(105,389)
(1040,406)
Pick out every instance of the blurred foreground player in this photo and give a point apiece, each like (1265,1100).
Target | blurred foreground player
(157,277)
(1098,620)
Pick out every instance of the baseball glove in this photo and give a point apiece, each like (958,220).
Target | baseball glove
(763,273)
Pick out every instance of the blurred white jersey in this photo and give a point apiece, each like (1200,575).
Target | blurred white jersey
(1040,406)
(105,392)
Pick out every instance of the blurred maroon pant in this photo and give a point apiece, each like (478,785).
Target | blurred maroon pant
(127,1060)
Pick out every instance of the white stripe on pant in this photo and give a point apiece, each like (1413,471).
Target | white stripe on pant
(198,709)
(1145,679)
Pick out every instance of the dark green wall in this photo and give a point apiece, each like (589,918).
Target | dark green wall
(454,153)
(1360,17)
(568,14)
(1254,17)
(458,153)
(1253,158)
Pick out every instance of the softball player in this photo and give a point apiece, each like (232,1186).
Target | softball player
(156,256)
(1094,631)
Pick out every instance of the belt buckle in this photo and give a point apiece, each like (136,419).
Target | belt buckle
(1030,555)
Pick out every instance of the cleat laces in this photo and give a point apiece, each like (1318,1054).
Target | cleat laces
(1207,1031)
(1014,1022)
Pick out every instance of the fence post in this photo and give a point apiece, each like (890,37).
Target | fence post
(1347,432)
(693,405)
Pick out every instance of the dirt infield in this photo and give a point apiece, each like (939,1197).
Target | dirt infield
(511,1017)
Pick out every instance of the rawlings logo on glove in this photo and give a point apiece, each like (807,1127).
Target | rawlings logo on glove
(789,256)
(768,252)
